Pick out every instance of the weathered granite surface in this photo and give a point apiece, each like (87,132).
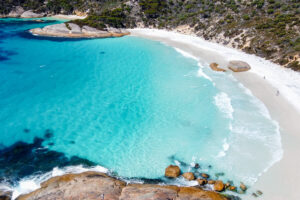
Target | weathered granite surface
(31,14)
(71,30)
(238,66)
(19,12)
(99,186)
(16,12)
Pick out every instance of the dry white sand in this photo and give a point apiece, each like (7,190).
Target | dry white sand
(280,181)
(68,17)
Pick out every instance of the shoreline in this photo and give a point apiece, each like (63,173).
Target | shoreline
(55,17)
(96,185)
(67,17)
(282,109)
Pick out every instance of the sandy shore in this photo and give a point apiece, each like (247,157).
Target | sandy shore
(280,181)
(68,17)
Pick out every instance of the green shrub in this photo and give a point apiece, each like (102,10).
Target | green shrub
(246,17)
(270,11)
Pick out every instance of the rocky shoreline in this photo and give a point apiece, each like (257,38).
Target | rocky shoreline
(92,185)
(68,30)
(99,186)
(71,30)
(19,12)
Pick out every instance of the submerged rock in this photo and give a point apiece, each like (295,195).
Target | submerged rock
(243,187)
(205,175)
(219,174)
(26,130)
(189,176)
(24,159)
(72,30)
(259,192)
(238,66)
(48,133)
(39,20)
(172,171)
(99,186)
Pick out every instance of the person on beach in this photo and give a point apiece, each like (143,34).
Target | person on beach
(277,93)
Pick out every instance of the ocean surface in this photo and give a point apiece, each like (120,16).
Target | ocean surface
(131,105)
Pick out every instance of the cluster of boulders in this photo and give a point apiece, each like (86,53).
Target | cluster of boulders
(234,65)
(173,171)
(18,11)
(71,30)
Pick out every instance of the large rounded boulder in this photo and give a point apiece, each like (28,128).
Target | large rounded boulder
(219,186)
(172,171)
(189,176)
(238,66)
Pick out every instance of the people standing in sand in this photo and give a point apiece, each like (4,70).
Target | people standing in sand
(277,93)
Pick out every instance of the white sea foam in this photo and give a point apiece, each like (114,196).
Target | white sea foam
(225,148)
(186,54)
(31,183)
(285,80)
(200,72)
(223,102)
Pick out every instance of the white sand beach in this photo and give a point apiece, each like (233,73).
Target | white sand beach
(68,17)
(264,80)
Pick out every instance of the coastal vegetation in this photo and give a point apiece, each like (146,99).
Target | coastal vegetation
(267,28)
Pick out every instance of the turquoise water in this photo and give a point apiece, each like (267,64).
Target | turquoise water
(131,105)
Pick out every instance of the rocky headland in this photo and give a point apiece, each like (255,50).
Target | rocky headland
(72,30)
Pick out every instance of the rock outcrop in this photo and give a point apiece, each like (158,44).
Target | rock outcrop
(172,171)
(202,181)
(16,12)
(189,176)
(238,66)
(31,14)
(71,30)
(5,195)
(99,186)
(219,186)
(215,67)
(205,175)
(243,187)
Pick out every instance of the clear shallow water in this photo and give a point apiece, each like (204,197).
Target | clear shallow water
(131,105)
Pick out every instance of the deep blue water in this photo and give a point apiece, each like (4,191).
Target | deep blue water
(129,104)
